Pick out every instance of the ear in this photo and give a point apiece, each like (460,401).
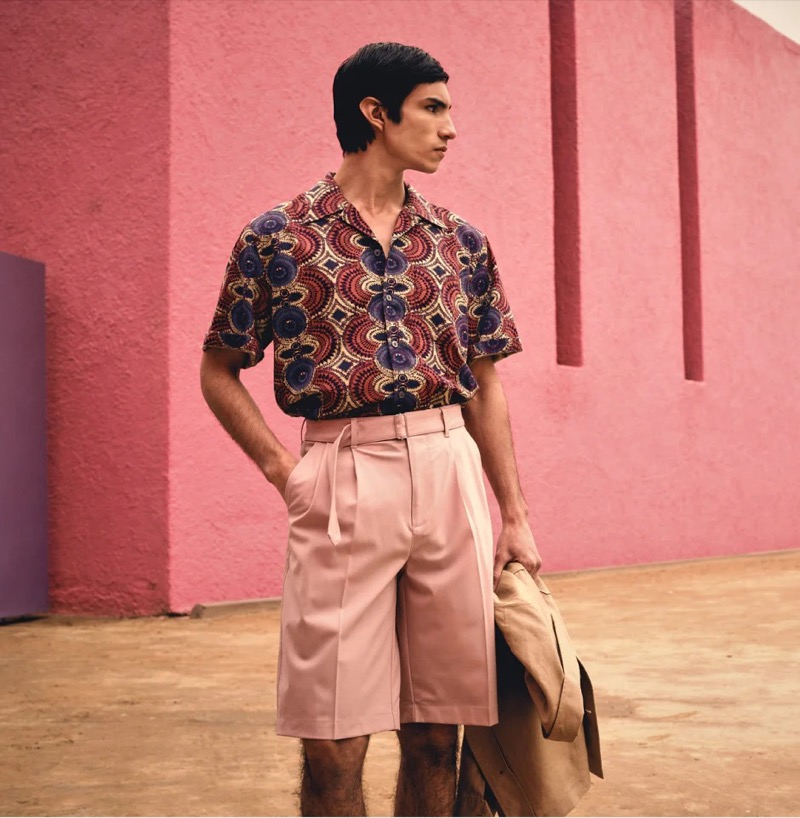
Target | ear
(372,109)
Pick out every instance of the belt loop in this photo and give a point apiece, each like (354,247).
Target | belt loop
(354,432)
(400,430)
(444,421)
(302,429)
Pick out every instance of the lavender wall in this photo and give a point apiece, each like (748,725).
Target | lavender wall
(23,461)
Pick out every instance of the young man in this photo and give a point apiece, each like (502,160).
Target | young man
(386,315)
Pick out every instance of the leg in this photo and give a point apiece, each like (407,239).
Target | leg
(426,784)
(331,783)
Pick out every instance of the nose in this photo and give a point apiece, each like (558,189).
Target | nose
(448,131)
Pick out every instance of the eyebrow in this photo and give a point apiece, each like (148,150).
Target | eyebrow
(438,101)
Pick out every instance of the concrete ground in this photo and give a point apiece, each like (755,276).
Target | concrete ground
(695,669)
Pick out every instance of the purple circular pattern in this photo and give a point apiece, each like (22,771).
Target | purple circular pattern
(242,315)
(490,321)
(372,259)
(249,262)
(270,222)
(299,373)
(492,346)
(399,358)
(387,308)
(462,331)
(469,237)
(289,322)
(397,263)
(282,270)
(479,282)
(466,378)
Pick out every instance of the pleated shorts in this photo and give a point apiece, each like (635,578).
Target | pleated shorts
(387,613)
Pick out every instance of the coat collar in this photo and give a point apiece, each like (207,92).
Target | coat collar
(326,199)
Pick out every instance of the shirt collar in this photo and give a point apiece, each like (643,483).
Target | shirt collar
(326,198)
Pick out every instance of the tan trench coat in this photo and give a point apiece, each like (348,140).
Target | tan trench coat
(537,759)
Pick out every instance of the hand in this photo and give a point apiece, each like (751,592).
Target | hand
(516,544)
(279,471)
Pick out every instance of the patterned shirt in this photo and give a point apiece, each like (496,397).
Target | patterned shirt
(356,333)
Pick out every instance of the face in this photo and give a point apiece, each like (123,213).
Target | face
(425,127)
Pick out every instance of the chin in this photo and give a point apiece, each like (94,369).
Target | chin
(426,167)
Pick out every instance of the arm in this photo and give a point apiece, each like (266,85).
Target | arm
(486,419)
(239,415)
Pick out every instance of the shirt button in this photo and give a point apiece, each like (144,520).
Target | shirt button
(388,297)
(378,252)
(394,343)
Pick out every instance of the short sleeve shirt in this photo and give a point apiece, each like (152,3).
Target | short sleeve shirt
(353,332)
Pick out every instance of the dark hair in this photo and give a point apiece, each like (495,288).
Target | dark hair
(386,71)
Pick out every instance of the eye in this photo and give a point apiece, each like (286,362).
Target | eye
(434,106)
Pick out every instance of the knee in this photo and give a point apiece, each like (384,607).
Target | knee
(433,744)
(335,762)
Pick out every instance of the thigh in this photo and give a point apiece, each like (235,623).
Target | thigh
(445,598)
(338,673)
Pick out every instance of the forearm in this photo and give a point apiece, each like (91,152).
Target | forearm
(486,418)
(234,407)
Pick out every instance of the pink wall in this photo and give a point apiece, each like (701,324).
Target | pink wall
(249,133)
(622,458)
(84,165)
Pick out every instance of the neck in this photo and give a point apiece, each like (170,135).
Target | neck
(371,184)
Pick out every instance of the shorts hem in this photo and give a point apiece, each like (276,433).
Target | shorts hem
(448,714)
(327,729)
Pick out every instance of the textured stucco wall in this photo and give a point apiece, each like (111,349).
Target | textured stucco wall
(84,173)
(622,459)
(130,162)
(748,104)
(252,126)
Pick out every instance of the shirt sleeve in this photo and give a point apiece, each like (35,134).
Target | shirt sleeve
(243,316)
(492,329)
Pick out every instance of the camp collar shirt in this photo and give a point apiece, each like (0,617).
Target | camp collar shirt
(355,333)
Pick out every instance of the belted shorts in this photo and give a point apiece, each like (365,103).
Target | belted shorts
(387,613)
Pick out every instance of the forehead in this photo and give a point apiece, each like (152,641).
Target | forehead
(430,89)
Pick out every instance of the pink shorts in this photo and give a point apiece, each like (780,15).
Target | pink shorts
(387,612)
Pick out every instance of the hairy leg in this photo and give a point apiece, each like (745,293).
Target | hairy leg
(331,781)
(426,784)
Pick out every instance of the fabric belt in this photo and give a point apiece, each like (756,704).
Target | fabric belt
(353,431)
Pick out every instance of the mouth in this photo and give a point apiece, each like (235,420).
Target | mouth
(441,150)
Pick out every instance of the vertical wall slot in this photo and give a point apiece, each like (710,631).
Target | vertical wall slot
(566,212)
(688,185)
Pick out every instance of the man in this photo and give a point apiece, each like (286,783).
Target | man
(387,314)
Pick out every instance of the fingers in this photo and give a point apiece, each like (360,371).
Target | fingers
(531,564)
(499,564)
(533,568)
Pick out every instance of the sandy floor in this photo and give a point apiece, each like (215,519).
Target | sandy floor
(695,667)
